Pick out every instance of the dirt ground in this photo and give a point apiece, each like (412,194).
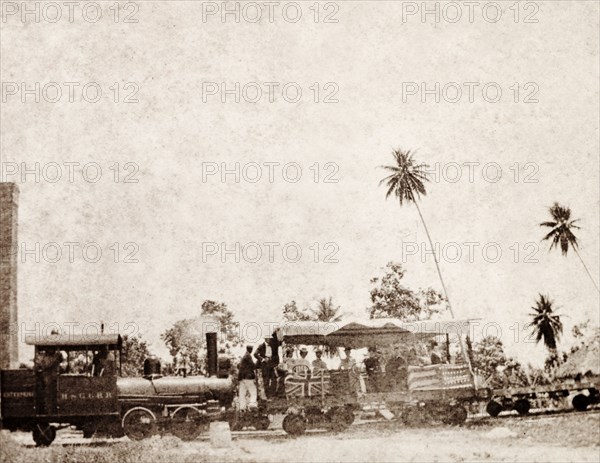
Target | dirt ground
(572,437)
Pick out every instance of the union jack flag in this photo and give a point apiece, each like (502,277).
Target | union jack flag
(296,386)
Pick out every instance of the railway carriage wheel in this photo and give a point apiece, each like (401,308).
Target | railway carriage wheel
(294,425)
(412,416)
(349,415)
(139,423)
(43,434)
(493,408)
(340,418)
(188,423)
(580,402)
(455,414)
(522,406)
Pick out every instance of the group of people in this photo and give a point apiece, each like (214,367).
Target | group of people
(395,372)
(261,373)
(97,363)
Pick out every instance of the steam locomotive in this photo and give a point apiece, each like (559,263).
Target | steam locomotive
(43,402)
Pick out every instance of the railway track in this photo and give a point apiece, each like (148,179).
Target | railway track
(533,415)
(69,437)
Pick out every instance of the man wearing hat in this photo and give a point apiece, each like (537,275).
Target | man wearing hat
(283,369)
(348,363)
(289,361)
(318,364)
(267,356)
(396,368)
(355,381)
(436,355)
(246,377)
(303,362)
(373,369)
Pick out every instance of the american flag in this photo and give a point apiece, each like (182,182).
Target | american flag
(439,377)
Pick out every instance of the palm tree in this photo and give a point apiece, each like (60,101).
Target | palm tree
(562,233)
(546,323)
(326,311)
(406,182)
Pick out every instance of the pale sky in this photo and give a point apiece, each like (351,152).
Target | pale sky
(374,63)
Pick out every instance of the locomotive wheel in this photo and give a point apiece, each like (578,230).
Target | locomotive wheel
(295,425)
(43,435)
(188,423)
(139,423)
(580,402)
(455,414)
(522,406)
(493,408)
(261,423)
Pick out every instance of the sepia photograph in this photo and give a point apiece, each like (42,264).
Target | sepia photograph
(302,231)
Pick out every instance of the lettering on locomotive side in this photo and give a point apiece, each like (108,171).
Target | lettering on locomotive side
(17,394)
(102,395)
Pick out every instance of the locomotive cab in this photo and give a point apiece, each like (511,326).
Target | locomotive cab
(73,382)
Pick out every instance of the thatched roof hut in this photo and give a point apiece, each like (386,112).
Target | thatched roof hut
(583,362)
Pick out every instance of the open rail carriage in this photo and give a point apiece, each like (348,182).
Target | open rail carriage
(59,391)
(408,391)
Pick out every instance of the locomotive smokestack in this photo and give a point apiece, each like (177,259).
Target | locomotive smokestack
(9,354)
(211,354)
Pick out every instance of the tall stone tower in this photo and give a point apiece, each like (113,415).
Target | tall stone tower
(9,354)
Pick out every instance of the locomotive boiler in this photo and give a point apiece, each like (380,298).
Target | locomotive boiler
(183,406)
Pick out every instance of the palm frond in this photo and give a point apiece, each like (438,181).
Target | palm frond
(561,234)
(548,224)
(407,179)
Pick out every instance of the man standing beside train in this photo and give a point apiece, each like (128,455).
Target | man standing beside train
(246,378)
(267,356)
(46,366)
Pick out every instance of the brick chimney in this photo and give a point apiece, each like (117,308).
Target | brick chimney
(9,353)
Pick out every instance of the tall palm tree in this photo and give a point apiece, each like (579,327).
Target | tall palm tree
(546,323)
(406,183)
(562,234)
